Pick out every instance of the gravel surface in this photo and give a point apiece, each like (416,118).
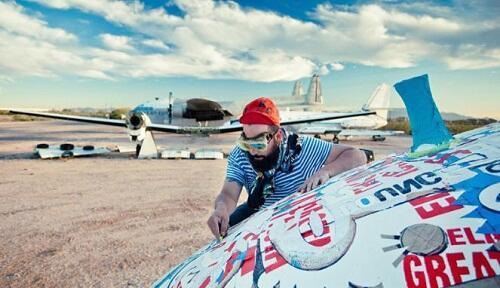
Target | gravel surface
(108,221)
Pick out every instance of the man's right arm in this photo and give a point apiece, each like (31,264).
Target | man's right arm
(225,203)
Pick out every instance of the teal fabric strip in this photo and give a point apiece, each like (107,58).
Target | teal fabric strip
(427,126)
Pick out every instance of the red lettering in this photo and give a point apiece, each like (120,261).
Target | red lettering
(303,207)
(470,237)
(250,236)
(294,204)
(434,266)
(446,156)
(489,238)
(249,262)
(436,273)
(414,279)
(457,237)
(366,184)
(457,271)
(494,255)
(358,175)
(437,208)
(454,236)
(277,263)
(304,216)
(230,247)
(321,241)
(361,173)
(407,169)
(205,283)
(481,265)
(428,198)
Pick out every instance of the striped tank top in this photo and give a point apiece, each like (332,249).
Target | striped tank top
(310,159)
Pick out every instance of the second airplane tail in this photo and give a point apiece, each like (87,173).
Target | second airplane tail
(314,94)
(379,101)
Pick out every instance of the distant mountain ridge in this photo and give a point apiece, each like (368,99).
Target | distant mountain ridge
(448,116)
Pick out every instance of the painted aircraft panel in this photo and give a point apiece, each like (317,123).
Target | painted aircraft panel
(431,221)
(429,218)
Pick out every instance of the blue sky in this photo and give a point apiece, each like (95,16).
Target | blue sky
(103,53)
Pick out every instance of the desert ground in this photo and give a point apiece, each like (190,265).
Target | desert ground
(107,221)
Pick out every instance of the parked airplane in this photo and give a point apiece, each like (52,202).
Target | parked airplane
(429,218)
(356,126)
(160,114)
(175,111)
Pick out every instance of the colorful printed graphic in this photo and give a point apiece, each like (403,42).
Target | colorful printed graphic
(430,221)
(429,218)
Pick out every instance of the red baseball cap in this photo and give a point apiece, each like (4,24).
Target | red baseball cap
(261,111)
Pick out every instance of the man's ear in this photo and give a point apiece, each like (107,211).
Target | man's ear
(279,135)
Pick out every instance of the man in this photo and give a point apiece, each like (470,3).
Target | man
(272,163)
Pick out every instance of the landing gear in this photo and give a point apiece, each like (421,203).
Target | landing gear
(378,138)
(335,139)
(137,150)
(147,148)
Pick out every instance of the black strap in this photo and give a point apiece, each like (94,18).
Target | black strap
(256,197)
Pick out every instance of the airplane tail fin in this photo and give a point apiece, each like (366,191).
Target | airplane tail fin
(298,90)
(314,95)
(379,101)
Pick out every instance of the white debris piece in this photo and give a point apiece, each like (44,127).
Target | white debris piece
(208,154)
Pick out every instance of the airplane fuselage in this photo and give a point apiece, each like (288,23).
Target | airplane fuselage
(184,112)
(360,122)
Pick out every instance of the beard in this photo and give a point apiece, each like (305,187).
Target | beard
(264,163)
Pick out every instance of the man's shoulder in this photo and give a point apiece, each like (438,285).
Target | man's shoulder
(237,154)
(308,142)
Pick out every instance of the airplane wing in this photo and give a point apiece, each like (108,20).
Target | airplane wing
(359,132)
(236,126)
(299,120)
(332,129)
(94,120)
(326,116)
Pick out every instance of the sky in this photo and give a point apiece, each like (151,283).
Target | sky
(104,53)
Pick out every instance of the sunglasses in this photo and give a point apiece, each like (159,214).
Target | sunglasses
(256,143)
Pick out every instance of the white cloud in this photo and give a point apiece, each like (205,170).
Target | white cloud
(223,40)
(27,56)
(6,79)
(13,20)
(116,42)
(473,57)
(29,47)
(337,66)
(127,13)
(158,44)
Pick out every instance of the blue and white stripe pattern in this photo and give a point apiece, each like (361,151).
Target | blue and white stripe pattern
(310,159)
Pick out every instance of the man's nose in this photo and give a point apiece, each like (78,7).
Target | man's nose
(253,152)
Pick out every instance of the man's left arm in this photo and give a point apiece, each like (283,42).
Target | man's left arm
(340,159)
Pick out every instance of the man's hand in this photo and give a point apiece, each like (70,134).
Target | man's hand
(315,180)
(218,222)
